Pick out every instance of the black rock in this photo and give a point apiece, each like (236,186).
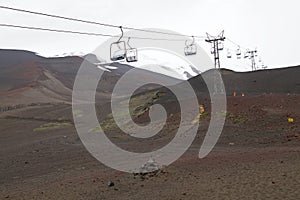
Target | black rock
(110,184)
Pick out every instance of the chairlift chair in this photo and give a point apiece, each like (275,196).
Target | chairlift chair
(212,50)
(120,53)
(190,49)
(220,46)
(131,53)
(238,53)
(263,66)
(118,49)
(228,54)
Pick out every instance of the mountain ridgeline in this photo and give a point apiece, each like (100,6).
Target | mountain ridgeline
(27,78)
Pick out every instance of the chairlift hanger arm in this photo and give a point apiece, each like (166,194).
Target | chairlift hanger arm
(122,34)
(128,43)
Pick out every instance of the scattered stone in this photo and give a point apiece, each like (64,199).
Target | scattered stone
(26,162)
(6,197)
(294,135)
(149,167)
(110,184)
(231,143)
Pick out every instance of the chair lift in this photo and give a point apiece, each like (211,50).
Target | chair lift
(259,60)
(131,53)
(190,49)
(238,53)
(264,66)
(212,50)
(246,54)
(228,54)
(118,49)
(220,46)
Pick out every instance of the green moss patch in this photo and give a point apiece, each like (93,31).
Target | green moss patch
(50,126)
(236,119)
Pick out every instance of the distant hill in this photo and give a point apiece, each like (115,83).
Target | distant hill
(26,77)
(13,57)
(282,81)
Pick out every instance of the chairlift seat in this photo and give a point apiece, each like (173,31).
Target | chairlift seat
(190,50)
(117,51)
(131,55)
(118,57)
(229,55)
(220,46)
(238,52)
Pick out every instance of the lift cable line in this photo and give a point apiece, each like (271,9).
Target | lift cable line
(131,53)
(190,48)
(55,30)
(217,46)
(236,44)
(96,23)
(82,33)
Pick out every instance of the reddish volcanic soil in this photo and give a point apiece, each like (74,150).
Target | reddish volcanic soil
(257,157)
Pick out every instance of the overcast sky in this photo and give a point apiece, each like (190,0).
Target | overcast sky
(271,26)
